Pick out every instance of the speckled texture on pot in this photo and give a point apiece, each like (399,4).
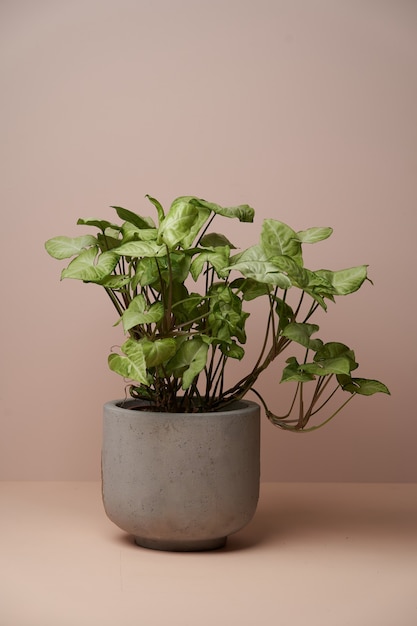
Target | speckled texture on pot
(181,481)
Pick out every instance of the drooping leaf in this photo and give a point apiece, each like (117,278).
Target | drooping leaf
(243,212)
(89,267)
(314,234)
(66,247)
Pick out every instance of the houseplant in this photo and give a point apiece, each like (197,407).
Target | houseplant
(181,292)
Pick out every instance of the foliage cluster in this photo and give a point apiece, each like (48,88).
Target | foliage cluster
(180,291)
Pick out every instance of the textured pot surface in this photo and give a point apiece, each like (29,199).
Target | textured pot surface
(181,481)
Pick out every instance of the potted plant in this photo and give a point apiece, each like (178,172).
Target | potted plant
(180,459)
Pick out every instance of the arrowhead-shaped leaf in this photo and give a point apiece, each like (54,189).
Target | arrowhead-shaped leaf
(66,247)
(362,386)
(139,313)
(189,361)
(131,366)
(279,239)
(345,281)
(90,268)
(301,333)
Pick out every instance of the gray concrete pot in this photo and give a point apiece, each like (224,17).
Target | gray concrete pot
(180,481)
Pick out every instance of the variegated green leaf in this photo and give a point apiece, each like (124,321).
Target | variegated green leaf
(158,351)
(189,361)
(89,267)
(279,239)
(314,234)
(345,281)
(131,366)
(182,223)
(66,247)
(138,312)
(140,249)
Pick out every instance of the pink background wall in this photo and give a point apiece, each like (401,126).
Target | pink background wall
(306,110)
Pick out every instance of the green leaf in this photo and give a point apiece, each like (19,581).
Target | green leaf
(158,206)
(90,268)
(312,235)
(334,349)
(362,386)
(243,212)
(215,240)
(217,258)
(249,288)
(134,218)
(232,350)
(284,312)
(182,223)
(107,243)
(176,267)
(138,312)
(226,318)
(131,232)
(345,281)
(295,272)
(101,224)
(279,239)
(158,351)
(293,372)
(253,263)
(189,361)
(301,333)
(140,249)
(65,247)
(115,282)
(325,367)
(131,366)
(146,272)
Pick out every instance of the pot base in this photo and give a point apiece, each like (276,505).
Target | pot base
(181,546)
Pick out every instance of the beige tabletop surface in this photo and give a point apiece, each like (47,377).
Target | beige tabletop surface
(314,555)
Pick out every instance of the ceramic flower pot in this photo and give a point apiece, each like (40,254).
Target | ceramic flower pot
(180,481)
